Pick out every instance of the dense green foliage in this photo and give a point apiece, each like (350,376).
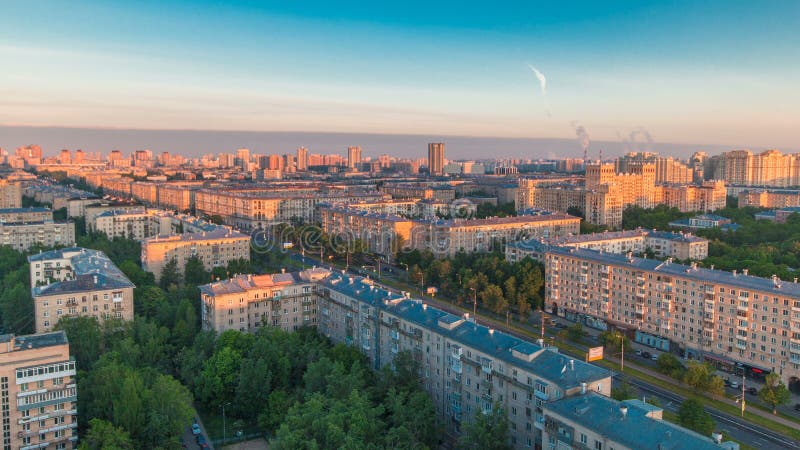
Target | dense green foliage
(16,304)
(485,430)
(693,416)
(658,217)
(309,393)
(485,210)
(774,392)
(496,284)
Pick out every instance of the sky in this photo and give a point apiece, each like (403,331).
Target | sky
(703,73)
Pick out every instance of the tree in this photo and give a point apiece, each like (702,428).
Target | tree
(85,339)
(693,416)
(486,431)
(195,272)
(700,376)
(103,435)
(170,276)
(622,392)
(774,392)
(575,332)
(670,365)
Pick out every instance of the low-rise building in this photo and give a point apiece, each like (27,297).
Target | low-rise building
(215,248)
(592,421)
(39,392)
(704,221)
(76,281)
(769,198)
(23,236)
(10,194)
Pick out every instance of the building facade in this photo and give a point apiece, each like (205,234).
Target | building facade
(75,281)
(215,248)
(246,302)
(39,392)
(436,158)
(723,317)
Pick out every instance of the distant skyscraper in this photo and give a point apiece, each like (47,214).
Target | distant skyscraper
(353,157)
(436,158)
(302,159)
(79,156)
(243,158)
(66,157)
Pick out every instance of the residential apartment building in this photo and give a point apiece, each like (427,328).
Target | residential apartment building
(769,168)
(247,302)
(448,237)
(23,236)
(76,281)
(215,248)
(381,233)
(723,317)
(39,392)
(466,368)
(668,170)
(663,244)
(769,198)
(10,194)
(23,215)
(592,421)
(136,224)
(419,191)
(436,158)
(606,193)
(252,209)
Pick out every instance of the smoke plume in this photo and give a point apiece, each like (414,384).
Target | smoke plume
(542,85)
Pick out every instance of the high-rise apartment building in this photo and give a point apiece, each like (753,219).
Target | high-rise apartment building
(243,159)
(302,159)
(354,157)
(436,158)
(39,392)
(65,157)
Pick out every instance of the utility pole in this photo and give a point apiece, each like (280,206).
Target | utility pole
(542,322)
(474,303)
(622,353)
(508,315)
(743,401)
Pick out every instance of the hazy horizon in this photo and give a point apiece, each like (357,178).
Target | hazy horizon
(192,143)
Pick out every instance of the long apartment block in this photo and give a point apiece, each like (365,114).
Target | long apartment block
(663,244)
(719,316)
(465,367)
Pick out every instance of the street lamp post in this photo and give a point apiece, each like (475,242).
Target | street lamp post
(224,434)
(474,303)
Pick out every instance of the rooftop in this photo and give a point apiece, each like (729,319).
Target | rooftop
(634,429)
(243,283)
(700,274)
(217,233)
(33,209)
(547,363)
(92,270)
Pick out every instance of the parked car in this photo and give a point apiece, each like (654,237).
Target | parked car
(797,406)
(752,391)
(654,357)
(734,384)
(201,440)
(195,429)
(638,353)
(646,355)
(727,382)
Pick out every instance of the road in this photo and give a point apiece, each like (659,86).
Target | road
(734,427)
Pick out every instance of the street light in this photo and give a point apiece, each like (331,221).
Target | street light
(224,436)
(474,303)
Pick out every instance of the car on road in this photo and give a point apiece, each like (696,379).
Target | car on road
(646,355)
(201,440)
(195,429)
(638,353)
(654,357)
(797,406)
(734,384)
(752,391)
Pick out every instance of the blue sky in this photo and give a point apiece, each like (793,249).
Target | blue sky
(717,72)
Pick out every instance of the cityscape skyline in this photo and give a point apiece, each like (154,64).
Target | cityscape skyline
(444,70)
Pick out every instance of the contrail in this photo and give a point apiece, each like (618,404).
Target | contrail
(543,85)
(542,80)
